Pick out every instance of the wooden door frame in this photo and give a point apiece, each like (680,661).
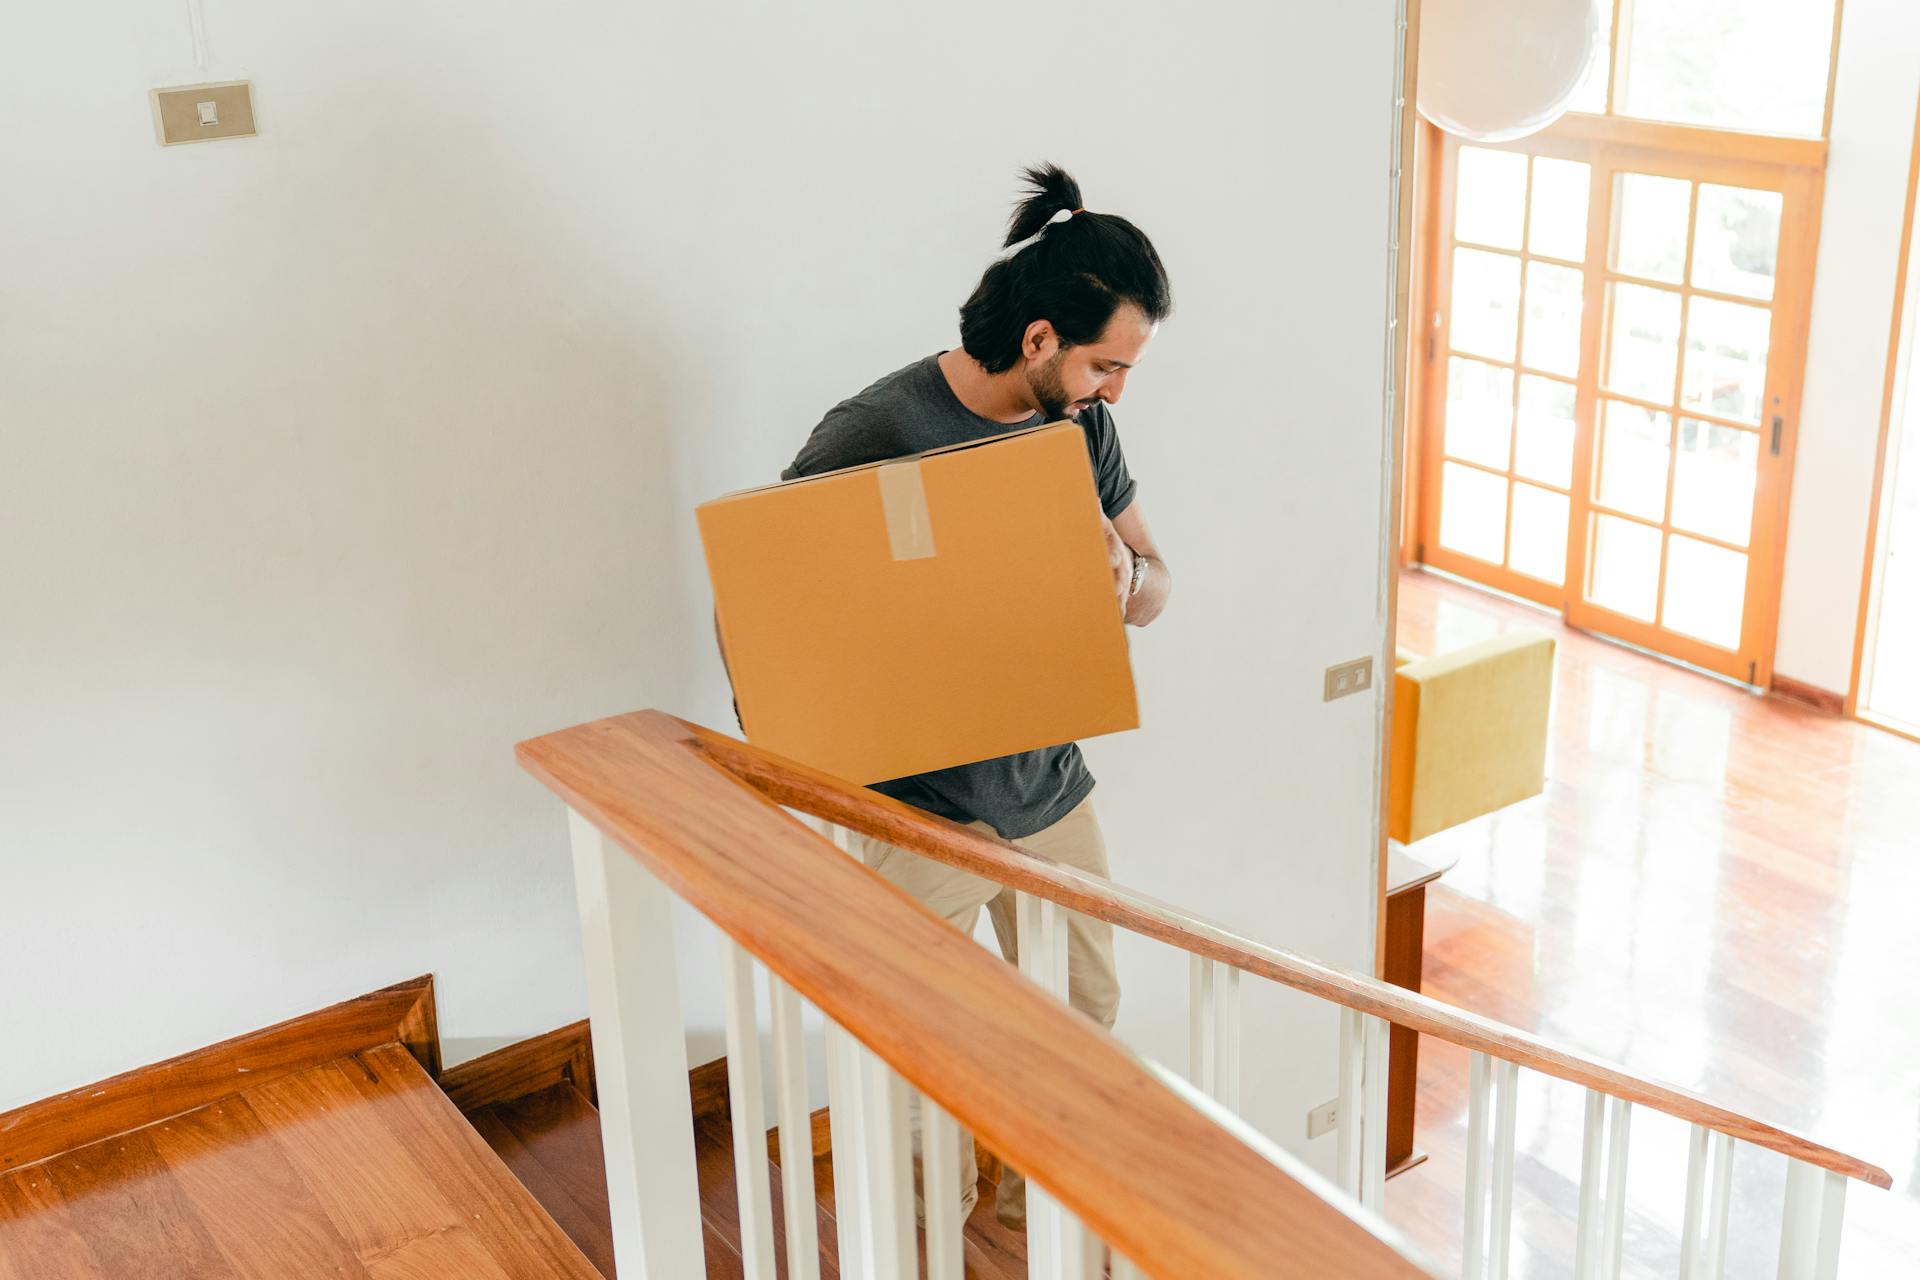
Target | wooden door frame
(1404,378)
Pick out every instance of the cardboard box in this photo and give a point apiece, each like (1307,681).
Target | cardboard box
(930,611)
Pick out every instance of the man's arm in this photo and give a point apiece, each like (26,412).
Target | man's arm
(1129,540)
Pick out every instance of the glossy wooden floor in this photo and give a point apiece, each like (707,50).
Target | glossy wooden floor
(551,1142)
(358,1168)
(1715,889)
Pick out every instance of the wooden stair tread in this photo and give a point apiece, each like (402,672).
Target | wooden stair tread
(550,1139)
(357,1168)
(719,1200)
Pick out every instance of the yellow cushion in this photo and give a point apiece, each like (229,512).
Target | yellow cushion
(1469,733)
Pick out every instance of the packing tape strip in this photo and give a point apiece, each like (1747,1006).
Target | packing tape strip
(904,500)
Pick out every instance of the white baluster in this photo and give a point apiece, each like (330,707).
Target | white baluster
(796,1132)
(849,1152)
(1226,1012)
(1703,1235)
(1810,1225)
(1361,1122)
(1588,1253)
(1201,1042)
(1213,1029)
(1799,1220)
(1716,1249)
(1473,1234)
(1348,1123)
(746,1101)
(1507,1080)
(940,1189)
(1373,1117)
(1603,1200)
(845,1116)
(1620,1115)
(1691,1218)
(639,1060)
(888,1212)
(1074,1251)
(1833,1207)
(1055,1247)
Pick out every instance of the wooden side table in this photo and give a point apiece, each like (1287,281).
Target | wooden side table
(1407,881)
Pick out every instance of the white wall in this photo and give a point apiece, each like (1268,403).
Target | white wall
(335,462)
(488,306)
(1871,146)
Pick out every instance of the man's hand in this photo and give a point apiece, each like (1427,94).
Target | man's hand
(1120,560)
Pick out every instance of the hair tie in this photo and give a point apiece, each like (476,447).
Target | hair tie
(1076,211)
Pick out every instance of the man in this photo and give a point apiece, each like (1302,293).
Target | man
(1051,332)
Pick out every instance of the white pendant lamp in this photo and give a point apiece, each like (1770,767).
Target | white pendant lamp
(1491,70)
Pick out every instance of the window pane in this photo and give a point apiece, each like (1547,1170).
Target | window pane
(1726,358)
(1758,65)
(1713,474)
(1736,239)
(1492,200)
(1650,226)
(1539,534)
(1643,342)
(1479,412)
(1553,318)
(1473,512)
(1633,460)
(1626,567)
(1558,228)
(1486,302)
(1706,591)
(1543,445)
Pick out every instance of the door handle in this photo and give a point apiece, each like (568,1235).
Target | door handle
(1778,423)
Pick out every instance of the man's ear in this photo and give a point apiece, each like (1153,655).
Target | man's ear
(1039,337)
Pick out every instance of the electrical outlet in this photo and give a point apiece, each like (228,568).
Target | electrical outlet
(1324,1118)
(1349,677)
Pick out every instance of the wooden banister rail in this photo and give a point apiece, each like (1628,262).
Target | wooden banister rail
(1169,1188)
(808,790)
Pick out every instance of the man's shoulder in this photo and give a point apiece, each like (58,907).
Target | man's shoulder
(867,426)
(885,394)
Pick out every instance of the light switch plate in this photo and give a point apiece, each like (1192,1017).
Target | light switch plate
(1349,677)
(177,114)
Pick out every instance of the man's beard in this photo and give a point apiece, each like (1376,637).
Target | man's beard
(1049,392)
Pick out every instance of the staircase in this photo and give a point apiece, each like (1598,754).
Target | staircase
(333,1145)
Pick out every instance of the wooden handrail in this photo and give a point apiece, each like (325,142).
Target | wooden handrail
(870,813)
(1038,1082)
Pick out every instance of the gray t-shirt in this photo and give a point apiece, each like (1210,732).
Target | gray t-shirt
(910,411)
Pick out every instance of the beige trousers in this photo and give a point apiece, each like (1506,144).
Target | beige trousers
(956,896)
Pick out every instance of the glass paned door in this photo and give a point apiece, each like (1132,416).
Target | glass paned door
(1614,364)
(1513,324)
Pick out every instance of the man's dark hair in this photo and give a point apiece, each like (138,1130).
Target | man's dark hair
(1074,274)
